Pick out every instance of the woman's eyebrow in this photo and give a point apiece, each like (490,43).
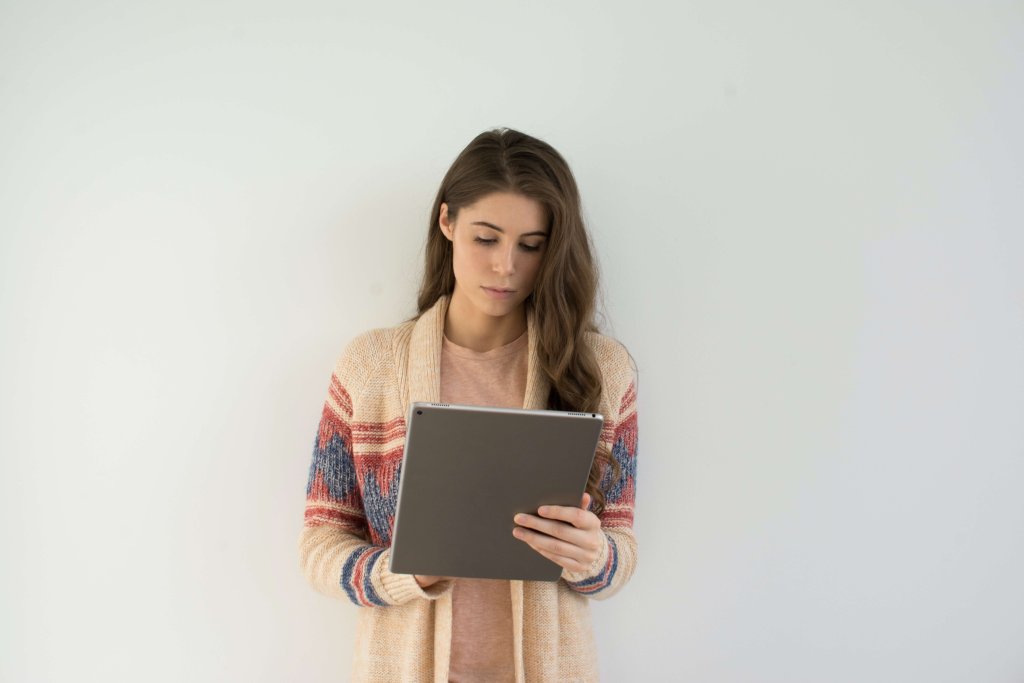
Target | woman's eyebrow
(495,227)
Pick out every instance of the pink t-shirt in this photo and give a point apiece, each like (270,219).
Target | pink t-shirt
(482,648)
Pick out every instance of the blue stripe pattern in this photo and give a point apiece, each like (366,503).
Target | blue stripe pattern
(380,508)
(627,465)
(371,597)
(335,462)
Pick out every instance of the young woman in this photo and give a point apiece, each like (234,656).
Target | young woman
(505,319)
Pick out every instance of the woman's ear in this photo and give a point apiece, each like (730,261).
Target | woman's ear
(444,223)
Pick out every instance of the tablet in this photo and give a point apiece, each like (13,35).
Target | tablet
(467,471)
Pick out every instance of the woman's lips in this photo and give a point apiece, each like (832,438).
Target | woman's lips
(499,293)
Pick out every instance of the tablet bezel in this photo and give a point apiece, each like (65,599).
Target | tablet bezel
(454,515)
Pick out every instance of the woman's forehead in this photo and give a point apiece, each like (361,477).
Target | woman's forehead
(509,213)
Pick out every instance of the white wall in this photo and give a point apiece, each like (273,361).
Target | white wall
(811,226)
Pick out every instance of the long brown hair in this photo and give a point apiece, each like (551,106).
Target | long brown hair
(563,299)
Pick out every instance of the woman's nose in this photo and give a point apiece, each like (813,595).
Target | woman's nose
(506,261)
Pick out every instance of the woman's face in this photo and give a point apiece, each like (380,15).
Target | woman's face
(497,244)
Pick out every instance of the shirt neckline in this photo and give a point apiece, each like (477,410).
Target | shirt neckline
(514,346)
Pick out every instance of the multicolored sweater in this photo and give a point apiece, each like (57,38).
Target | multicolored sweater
(404,631)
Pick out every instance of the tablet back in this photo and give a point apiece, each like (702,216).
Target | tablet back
(466,472)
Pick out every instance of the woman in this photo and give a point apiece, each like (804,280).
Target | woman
(505,319)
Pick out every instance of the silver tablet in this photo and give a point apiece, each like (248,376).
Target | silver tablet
(466,472)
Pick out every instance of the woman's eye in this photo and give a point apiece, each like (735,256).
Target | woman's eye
(487,242)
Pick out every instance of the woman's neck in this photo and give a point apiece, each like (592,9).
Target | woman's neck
(473,329)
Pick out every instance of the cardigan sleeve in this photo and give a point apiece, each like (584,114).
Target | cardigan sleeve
(617,561)
(335,553)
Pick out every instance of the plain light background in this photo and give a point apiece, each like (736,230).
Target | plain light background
(811,228)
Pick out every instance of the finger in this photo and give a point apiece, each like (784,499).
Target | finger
(556,528)
(568,558)
(578,517)
(543,543)
(428,581)
(586,501)
(559,531)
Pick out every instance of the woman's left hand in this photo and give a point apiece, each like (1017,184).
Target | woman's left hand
(570,537)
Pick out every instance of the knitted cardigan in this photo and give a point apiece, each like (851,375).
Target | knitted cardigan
(404,631)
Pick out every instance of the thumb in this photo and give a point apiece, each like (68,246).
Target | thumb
(586,501)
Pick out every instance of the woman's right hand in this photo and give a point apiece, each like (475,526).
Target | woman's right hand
(428,581)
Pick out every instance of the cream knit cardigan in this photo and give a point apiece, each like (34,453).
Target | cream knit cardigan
(404,631)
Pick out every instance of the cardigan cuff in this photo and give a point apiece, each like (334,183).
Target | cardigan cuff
(401,588)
